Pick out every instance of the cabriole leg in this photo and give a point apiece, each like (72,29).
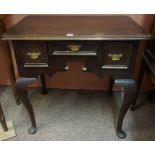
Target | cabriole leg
(150,96)
(129,97)
(43,84)
(21,88)
(111,84)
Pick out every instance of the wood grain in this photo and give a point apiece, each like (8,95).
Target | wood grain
(76,28)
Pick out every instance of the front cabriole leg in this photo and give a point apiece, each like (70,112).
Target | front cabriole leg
(130,88)
(21,88)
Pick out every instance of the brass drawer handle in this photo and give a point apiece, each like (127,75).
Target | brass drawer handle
(115,57)
(74,48)
(34,55)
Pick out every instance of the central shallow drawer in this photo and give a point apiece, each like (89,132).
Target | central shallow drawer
(73,48)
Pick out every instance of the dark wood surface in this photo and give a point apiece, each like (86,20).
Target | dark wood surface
(107,46)
(5,50)
(82,28)
(149,64)
(2,119)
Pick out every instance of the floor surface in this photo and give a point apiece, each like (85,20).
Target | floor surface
(79,115)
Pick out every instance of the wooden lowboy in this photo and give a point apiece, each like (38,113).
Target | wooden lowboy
(105,44)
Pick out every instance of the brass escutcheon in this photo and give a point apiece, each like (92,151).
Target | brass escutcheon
(74,48)
(116,57)
(34,55)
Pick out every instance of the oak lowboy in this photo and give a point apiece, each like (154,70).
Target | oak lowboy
(106,45)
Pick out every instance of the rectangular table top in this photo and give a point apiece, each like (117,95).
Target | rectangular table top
(79,27)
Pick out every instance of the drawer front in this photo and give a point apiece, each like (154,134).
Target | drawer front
(73,48)
(115,55)
(31,53)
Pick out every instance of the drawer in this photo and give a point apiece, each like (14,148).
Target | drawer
(73,48)
(31,53)
(116,55)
